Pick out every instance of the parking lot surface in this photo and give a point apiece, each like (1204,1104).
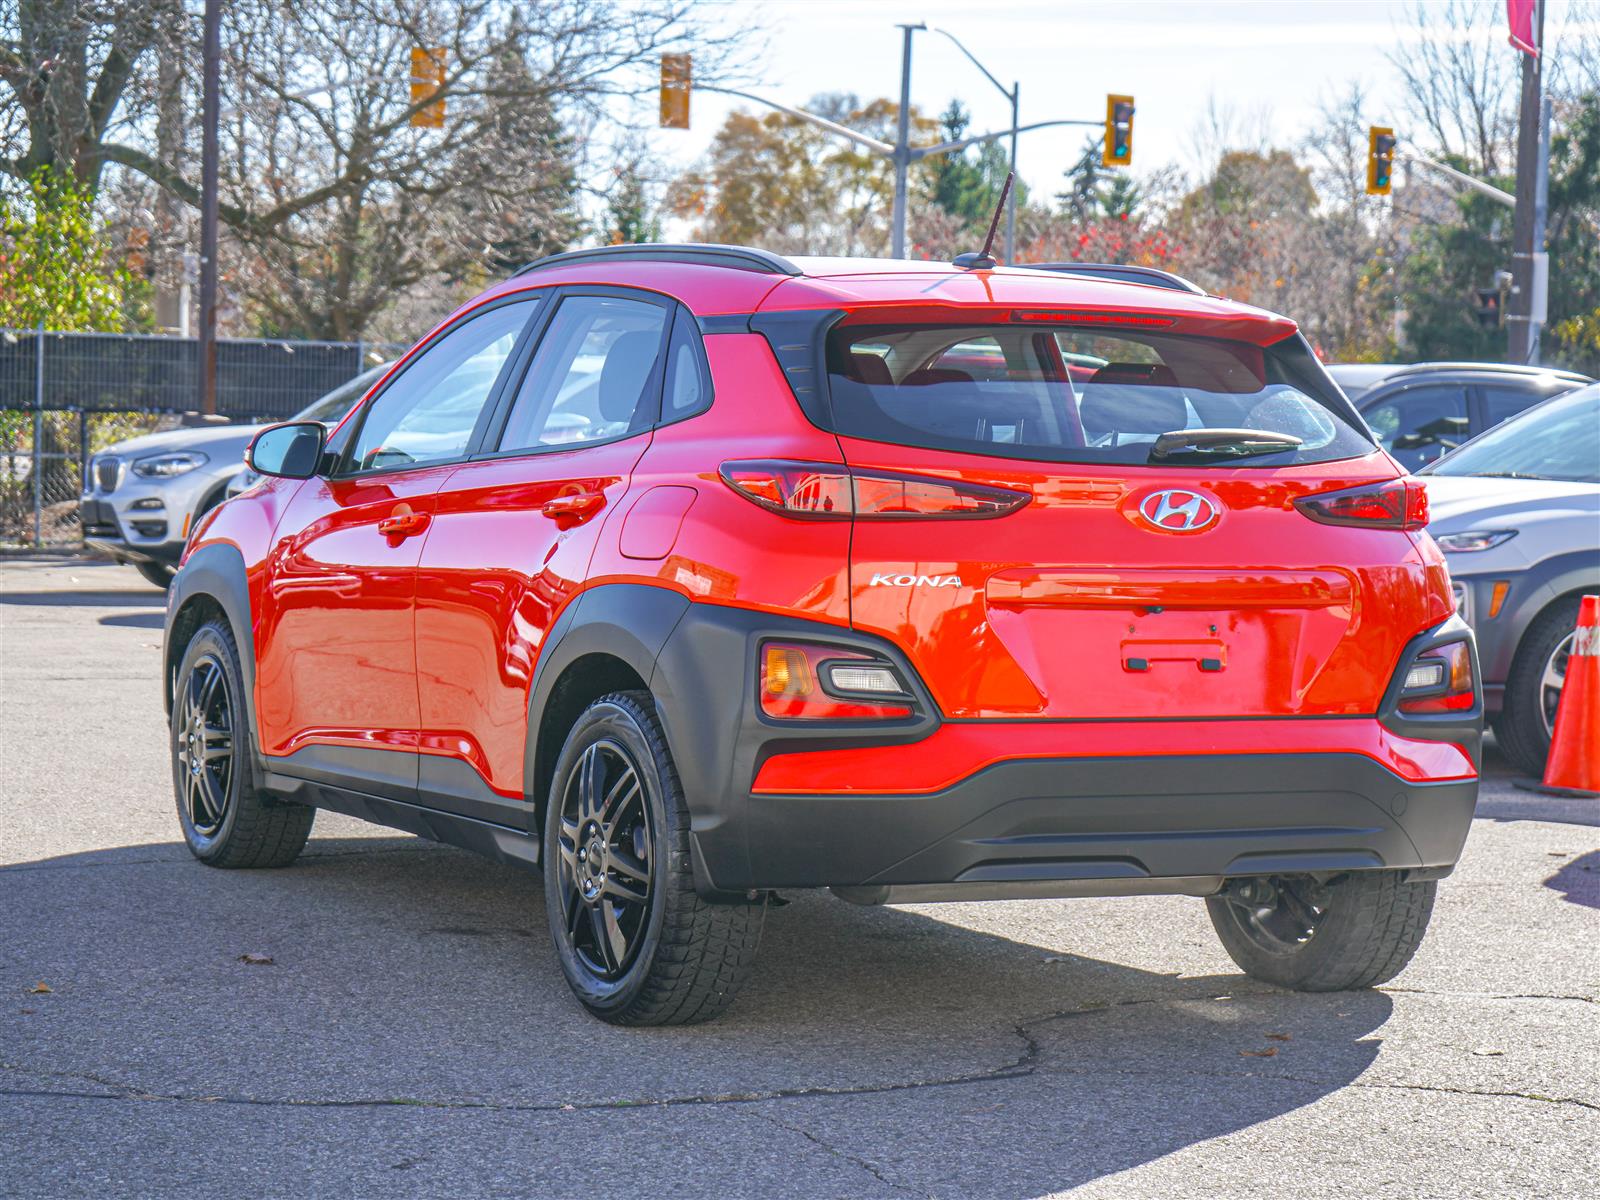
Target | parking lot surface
(412,1035)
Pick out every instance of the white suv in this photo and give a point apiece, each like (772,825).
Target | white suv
(143,495)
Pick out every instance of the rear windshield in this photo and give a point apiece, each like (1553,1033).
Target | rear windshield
(1070,395)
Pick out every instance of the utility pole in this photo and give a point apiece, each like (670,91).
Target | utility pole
(212,71)
(902,146)
(1529,265)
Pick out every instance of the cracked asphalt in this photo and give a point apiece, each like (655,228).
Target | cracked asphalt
(413,1036)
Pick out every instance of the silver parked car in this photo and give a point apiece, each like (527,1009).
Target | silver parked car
(1517,512)
(142,496)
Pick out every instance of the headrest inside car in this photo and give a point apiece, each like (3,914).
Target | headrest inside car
(866,367)
(929,375)
(1150,374)
(1131,409)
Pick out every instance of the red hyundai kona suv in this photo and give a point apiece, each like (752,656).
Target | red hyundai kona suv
(690,573)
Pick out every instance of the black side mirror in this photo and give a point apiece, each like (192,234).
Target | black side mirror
(292,451)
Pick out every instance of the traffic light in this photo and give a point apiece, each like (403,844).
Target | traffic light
(1380,160)
(1118,149)
(1491,308)
(675,82)
(427,77)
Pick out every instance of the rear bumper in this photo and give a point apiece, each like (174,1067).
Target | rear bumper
(1023,808)
(1112,825)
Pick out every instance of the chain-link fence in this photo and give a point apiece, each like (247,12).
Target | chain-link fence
(67,396)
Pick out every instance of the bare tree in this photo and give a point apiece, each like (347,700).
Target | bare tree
(1460,80)
(334,198)
(69,70)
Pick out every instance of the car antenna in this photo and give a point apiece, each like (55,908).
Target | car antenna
(981,261)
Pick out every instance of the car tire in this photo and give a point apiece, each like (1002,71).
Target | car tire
(226,822)
(1521,728)
(1356,931)
(157,574)
(636,942)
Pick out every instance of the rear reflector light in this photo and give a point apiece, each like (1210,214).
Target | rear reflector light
(792,684)
(872,678)
(832,491)
(1396,504)
(1439,681)
(1146,320)
(1424,676)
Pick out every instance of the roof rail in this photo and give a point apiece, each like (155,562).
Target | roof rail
(1122,273)
(1503,368)
(706,254)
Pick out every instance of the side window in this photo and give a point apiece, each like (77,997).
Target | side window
(1502,402)
(593,377)
(688,387)
(429,412)
(1421,423)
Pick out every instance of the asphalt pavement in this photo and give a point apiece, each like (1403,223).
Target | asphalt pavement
(412,1034)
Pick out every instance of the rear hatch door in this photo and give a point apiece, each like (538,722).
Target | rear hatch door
(1132,584)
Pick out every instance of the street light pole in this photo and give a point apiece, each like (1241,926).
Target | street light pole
(902,154)
(1014,95)
(902,147)
(212,85)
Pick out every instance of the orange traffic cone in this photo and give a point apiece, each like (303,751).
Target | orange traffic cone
(1574,762)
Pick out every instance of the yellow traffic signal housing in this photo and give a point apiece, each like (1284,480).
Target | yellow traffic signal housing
(1380,160)
(1118,148)
(675,81)
(427,77)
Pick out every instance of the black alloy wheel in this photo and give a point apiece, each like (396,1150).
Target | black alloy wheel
(226,821)
(203,735)
(605,849)
(1354,930)
(635,940)
(1279,915)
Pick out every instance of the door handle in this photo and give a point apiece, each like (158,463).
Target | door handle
(567,511)
(403,525)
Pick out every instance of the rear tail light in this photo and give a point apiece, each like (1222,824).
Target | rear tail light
(837,492)
(808,681)
(1439,680)
(1394,504)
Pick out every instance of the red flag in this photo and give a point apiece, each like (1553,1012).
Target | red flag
(1519,14)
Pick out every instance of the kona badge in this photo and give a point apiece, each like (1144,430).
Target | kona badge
(1178,511)
(881,580)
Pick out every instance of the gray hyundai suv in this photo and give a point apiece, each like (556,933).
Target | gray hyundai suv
(1517,513)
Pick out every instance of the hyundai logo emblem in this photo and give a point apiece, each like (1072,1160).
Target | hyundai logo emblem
(1178,511)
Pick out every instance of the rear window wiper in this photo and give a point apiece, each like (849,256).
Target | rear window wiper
(1221,443)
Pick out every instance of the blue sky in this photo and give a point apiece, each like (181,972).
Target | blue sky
(1270,61)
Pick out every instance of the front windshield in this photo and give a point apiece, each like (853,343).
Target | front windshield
(1559,439)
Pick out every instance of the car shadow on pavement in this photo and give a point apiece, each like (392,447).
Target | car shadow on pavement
(409,974)
(143,620)
(87,598)
(1579,880)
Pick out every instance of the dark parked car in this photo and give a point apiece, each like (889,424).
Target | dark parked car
(1425,410)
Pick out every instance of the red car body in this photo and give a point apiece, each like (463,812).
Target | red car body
(1114,676)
